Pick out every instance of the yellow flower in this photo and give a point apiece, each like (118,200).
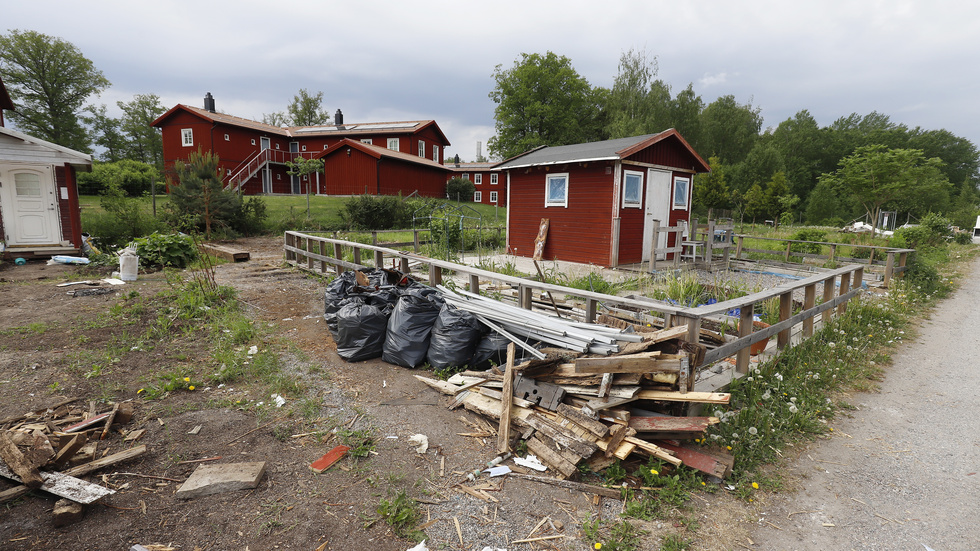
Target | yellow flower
(755,485)
(597,545)
(187,379)
(729,447)
(653,471)
(703,484)
(190,387)
(139,391)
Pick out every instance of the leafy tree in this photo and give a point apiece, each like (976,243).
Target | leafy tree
(824,205)
(686,118)
(304,168)
(730,129)
(711,189)
(542,100)
(145,143)
(801,144)
(875,176)
(307,109)
(630,101)
(107,133)
(128,177)
(48,79)
(776,197)
(961,160)
(277,118)
(755,202)
(762,162)
(460,189)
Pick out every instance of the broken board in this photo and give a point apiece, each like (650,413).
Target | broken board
(227,253)
(66,486)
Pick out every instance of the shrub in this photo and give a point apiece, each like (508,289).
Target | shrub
(459,189)
(963,238)
(375,212)
(807,234)
(168,250)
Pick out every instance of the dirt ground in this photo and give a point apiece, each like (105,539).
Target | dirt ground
(292,508)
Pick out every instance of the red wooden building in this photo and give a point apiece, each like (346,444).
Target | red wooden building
(489,182)
(601,197)
(253,154)
(39,213)
(352,167)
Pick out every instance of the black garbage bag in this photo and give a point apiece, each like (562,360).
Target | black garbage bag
(492,350)
(455,335)
(335,293)
(410,326)
(361,329)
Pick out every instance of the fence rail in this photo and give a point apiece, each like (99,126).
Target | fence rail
(322,254)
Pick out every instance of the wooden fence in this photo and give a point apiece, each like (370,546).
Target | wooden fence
(713,239)
(322,255)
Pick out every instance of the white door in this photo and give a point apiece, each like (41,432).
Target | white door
(30,206)
(657,208)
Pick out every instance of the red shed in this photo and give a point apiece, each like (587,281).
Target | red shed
(601,197)
(352,167)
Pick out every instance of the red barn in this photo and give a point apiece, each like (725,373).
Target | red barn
(601,197)
(352,167)
(253,154)
(489,182)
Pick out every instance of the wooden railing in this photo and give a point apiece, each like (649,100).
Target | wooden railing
(712,239)
(322,254)
(890,260)
(251,166)
(416,242)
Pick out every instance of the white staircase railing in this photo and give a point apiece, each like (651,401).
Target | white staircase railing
(252,165)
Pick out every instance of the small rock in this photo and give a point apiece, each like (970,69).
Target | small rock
(67,512)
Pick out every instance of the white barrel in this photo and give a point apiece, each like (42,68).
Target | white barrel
(129,266)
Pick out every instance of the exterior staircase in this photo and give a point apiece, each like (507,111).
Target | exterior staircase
(251,166)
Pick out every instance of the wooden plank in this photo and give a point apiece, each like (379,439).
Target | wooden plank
(581,447)
(550,457)
(619,432)
(614,392)
(490,407)
(442,386)
(699,460)
(671,396)
(653,449)
(63,485)
(68,450)
(507,400)
(18,463)
(647,362)
(611,493)
(575,415)
(672,424)
(107,461)
(227,253)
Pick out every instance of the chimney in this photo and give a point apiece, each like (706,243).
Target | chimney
(338,118)
(209,102)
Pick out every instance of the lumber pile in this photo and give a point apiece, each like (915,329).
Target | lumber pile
(49,449)
(597,409)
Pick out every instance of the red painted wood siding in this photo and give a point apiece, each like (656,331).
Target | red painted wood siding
(579,232)
(360,173)
(632,220)
(485,187)
(70,216)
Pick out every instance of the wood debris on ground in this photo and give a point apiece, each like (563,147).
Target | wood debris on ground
(572,409)
(50,448)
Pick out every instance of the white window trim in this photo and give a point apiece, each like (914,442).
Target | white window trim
(493,196)
(253,141)
(303,148)
(547,189)
(681,205)
(477,179)
(493,179)
(465,176)
(369,141)
(393,141)
(227,138)
(639,202)
(477,196)
(435,153)
(421,149)
(187,137)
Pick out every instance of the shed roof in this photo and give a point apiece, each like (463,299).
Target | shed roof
(53,153)
(607,150)
(379,152)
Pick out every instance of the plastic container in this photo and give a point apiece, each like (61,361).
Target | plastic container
(20,261)
(129,266)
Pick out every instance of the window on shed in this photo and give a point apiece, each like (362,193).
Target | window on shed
(187,137)
(393,144)
(493,179)
(682,193)
(477,179)
(368,141)
(27,184)
(421,149)
(556,190)
(477,196)
(632,189)
(493,196)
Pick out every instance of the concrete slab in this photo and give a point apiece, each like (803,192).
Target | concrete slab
(220,478)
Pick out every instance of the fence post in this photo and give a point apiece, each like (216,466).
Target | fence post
(524,298)
(309,253)
(833,253)
(828,295)
(435,275)
(845,286)
(287,254)
(374,238)
(357,255)
(738,248)
(809,300)
(789,246)
(474,284)
(416,240)
(745,326)
(709,243)
(901,263)
(871,257)
(323,252)
(338,253)
(653,246)
(379,259)
(889,267)
(591,309)
(406,269)
(785,312)
(858,278)
(693,336)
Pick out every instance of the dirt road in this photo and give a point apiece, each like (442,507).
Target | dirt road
(903,472)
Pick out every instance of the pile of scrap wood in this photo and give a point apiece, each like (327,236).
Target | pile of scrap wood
(50,448)
(598,409)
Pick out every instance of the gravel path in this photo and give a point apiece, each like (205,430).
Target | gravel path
(903,472)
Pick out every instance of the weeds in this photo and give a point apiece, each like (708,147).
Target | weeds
(402,514)
(360,442)
(612,536)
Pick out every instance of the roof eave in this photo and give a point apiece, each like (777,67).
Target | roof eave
(560,162)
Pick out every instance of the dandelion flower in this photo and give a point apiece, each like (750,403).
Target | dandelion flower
(190,387)
(140,391)
(187,379)
(755,485)
(729,447)
(753,431)
(793,409)
(597,545)
(654,471)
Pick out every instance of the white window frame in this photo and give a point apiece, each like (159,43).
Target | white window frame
(369,141)
(493,179)
(681,200)
(393,142)
(549,199)
(638,203)
(422,149)
(493,197)
(477,196)
(435,153)
(303,147)
(477,179)
(187,137)
(253,141)
(227,138)
(465,176)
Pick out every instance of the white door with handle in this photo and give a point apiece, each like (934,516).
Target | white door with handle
(28,197)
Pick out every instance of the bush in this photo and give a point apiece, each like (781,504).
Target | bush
(131,177)
(375,212)
(167,250)
(459,189)
(123,220)
(807,234)
(963,238)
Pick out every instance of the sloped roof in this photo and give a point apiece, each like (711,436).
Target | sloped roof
(607,150)
(379,152)
(57,153)
(352,129)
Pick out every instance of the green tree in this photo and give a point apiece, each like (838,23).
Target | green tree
(277,118)
(755,202)
(730,129)
(197,198)
(106,133)
(686,118)
(711,190)
(128,177)
(49,80)
(307,109)
(776,197)
(304,168)
(460,189)
(145,143)
(875,176)
(542,100)
(824,205)
(630,105)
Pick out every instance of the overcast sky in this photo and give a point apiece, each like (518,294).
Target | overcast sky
(915,61)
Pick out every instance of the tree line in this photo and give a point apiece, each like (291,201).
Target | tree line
(795,170)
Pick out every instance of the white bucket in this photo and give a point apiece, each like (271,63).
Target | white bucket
(129,266)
